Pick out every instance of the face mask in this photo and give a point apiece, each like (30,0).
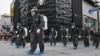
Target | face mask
(17,35)
(16,32)
(17,26)
(52,29)
(33,13)
(41,2)
(73,26)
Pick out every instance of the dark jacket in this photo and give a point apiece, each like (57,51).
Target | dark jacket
(21,31)
(75,31)
(63,32)
(96,36)
(38,22)
(53,33)
(86,32)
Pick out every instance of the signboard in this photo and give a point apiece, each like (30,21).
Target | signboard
(93,10)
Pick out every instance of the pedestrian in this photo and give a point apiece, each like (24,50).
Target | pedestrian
(20,41)
(53,35)
(93,35)
(97,40)
(64,34)
(86,37)
(36,31)
(75,34)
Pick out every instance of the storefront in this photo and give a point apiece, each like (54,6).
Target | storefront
(89,22)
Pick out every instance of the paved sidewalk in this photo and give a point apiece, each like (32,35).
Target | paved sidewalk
(9,50)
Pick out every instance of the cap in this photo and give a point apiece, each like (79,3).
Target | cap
(34,9)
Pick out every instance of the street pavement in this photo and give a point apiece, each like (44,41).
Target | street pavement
(9,50)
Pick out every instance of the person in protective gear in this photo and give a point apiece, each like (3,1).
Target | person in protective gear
(20,41)
(36,31)
(75,34)
(97,38)
(53,35)
(63,35)
(86,37)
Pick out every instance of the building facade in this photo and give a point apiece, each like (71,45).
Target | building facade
(5,22)
(89,20)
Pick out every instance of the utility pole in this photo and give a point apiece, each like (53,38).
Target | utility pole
(98,19)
